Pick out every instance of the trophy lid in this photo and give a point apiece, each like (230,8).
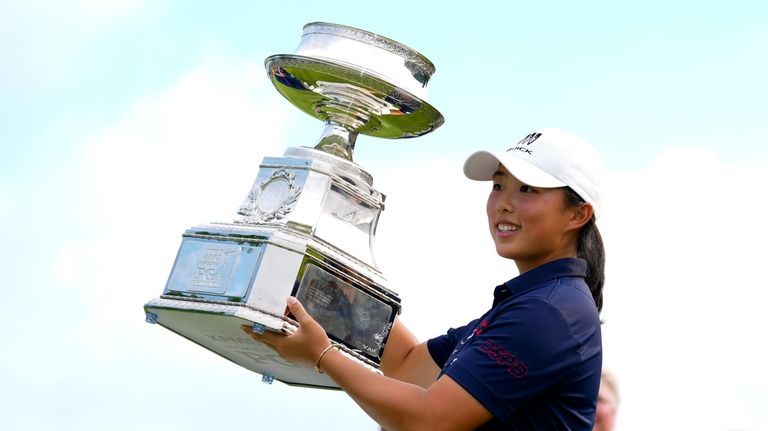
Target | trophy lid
(356,82)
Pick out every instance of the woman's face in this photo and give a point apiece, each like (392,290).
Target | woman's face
(529,224)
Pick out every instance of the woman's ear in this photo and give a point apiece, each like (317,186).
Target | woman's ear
(580,215)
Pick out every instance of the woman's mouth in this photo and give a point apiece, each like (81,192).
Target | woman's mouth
(505,227)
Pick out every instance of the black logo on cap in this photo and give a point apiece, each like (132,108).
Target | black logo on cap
(525,142)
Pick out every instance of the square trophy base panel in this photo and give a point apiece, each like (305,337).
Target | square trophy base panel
(217,327)
(228,275)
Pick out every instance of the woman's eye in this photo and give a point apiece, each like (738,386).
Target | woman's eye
(497,186)
(526,189)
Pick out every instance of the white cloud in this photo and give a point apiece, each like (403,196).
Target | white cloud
(197,146)
(184,157)
(174,160)
(434,246)
(684,296)
(68,267)
(682,299)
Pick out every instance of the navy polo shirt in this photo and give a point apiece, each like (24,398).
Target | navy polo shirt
(534,359)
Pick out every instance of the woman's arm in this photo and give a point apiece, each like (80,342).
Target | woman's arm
(394,404)
(408,360)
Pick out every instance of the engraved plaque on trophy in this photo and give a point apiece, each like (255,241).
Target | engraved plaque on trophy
(307,226)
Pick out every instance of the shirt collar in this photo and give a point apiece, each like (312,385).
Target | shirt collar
(527,281)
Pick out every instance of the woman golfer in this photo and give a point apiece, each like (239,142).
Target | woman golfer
(533,360)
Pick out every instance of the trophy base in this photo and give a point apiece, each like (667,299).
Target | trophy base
(216,325)
(228,275)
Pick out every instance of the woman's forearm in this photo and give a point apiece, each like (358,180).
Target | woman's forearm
(408,360)
(390,402)
(400,343)
(398,405)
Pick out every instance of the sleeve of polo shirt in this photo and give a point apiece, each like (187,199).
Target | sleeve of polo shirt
(523,352)
(440,348)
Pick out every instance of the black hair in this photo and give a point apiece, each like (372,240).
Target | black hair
(590,248)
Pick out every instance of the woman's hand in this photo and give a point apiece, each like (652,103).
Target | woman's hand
(302,347)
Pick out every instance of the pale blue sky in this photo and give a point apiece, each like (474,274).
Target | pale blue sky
(651,73)
(124,122)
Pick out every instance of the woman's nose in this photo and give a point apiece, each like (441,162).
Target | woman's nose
(504,203)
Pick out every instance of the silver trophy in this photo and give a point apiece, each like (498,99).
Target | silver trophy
(307,226)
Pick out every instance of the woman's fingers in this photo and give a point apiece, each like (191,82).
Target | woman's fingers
(303,345)
(298,310)
(269,338)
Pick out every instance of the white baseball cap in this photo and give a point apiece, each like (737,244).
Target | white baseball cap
(545,158)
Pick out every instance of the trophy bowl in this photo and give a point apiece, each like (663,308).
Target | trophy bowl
(356,82)
(307,226)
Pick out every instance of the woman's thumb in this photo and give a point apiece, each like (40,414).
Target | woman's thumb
(297,309)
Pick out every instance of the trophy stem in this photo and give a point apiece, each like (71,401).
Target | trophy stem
(337,140)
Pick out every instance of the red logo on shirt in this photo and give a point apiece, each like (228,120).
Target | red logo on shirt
(515,367)
(481,327)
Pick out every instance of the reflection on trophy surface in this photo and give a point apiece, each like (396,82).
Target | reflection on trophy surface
(307,226)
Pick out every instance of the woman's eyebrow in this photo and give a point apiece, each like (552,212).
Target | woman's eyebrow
(499,173)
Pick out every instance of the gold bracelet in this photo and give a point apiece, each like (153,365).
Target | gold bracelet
(320,358)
